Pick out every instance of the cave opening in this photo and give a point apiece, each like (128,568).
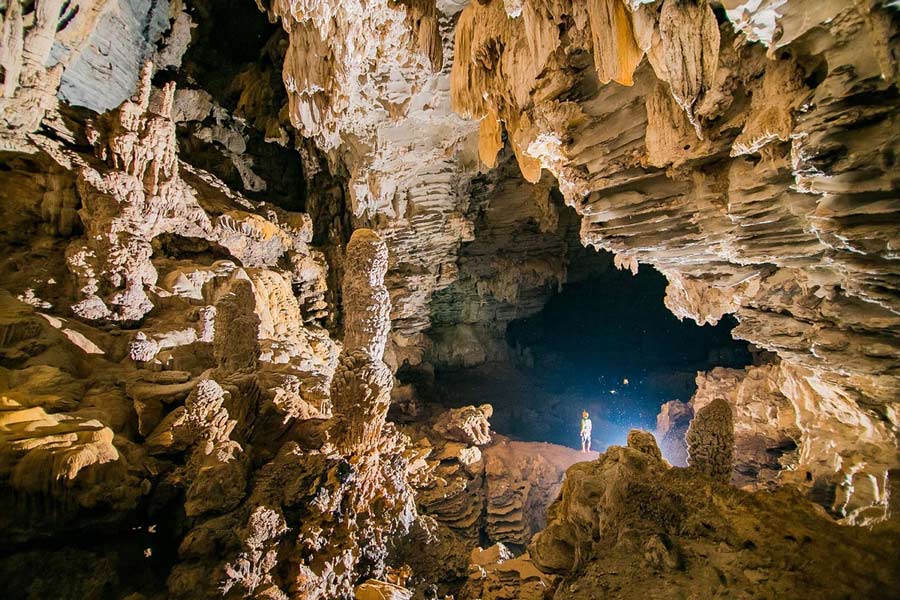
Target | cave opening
(541,349)
(609,345)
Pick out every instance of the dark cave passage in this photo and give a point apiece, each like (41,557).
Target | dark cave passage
(605,343)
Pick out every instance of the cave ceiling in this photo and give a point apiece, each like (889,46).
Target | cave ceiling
(230,225)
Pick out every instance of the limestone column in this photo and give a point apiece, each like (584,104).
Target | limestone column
(361,389)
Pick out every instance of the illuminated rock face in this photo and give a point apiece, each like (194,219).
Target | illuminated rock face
(167,338)
(751,174)
(368,81)
(361,389)
(178,375)
(345,499)
(479,496)
(627,524)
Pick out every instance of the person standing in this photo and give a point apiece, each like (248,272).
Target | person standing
(586,427)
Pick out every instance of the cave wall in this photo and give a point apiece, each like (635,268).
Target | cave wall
(525,245)
(380,106)
(176,285)
(755,176)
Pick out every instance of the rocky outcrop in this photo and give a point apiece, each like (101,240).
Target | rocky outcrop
(54,48)
(468,425)
(765,430)
(196,358)
(497,491)
(140,195)
(628,525)
(65,457)
(361,389)
(179,419)
(526,247)
(381,590)
(776,445)
(500,492)
(710,441)
(495,574)
(344,499)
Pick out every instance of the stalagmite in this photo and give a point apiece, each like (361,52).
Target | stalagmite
(710,440)
(307,299)
(361,389)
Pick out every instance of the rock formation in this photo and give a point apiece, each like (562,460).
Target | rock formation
(345,500)
(382,102)
(710,440)
(628,525)
(774,445)
(718,161)
(471,489)
(235,232)
(495,574)
(361,389)
(765,430)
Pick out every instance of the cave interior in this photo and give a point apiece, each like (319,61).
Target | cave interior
(305,300)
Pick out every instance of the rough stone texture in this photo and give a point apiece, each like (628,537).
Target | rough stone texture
(526,247)
(361,389)
(644,441)
(104,70)
(765,430)
(381,590)
(629,526)
(469,425)
(141,195)
(710,440)
(751,174)
(467,495)
(235,338)
(495,574)
(346,498)
(89,53)
(169,398)
(153,435)
(774,445)
(26,41)
(61,455)
(382,106)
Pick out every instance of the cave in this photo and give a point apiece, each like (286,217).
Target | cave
(605,344)
(440,299)
(586,335)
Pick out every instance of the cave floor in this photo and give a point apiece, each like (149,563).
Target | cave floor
(525,409)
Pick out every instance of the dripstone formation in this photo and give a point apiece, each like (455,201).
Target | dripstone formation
(710,440)
(243,242)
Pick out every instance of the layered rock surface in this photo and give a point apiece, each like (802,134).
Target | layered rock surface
(526,247)
(779,441)
(369,82)
(753,175)
(627,525)
(170,397)
(475,489)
